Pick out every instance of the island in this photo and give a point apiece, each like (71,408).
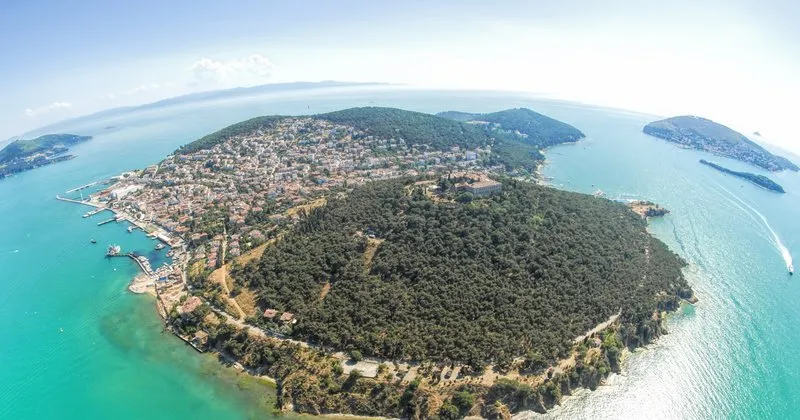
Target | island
(23,155)
(382,262)
(702,134)
(760,180)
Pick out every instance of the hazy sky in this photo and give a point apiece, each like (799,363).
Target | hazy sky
(734,61)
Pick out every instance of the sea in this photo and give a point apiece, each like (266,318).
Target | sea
(74,343)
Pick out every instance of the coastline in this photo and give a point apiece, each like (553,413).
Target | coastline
(141,284)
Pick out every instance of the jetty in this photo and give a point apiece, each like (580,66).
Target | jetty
(83,187)
(113,219)
(141,261)
(86,203)
(95,211)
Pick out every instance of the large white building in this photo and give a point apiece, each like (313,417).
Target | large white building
(119,193)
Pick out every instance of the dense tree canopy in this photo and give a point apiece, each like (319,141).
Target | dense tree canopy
(415,128)
(519,135)
(539,130)
(522,272)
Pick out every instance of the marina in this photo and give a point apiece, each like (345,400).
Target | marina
(150,277)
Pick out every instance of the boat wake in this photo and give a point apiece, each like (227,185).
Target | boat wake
(776,240)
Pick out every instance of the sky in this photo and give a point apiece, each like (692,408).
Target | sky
(736,61)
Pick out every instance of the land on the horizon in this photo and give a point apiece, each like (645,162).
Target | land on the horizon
(760,180)
(383,262)
(703,134)
(24,155)
(200,97)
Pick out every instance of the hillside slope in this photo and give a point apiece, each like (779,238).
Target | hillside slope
(527,270)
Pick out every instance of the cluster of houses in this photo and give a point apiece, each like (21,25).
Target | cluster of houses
(286,318)
(274,168)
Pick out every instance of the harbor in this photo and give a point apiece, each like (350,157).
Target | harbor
(140,260)
(168,273)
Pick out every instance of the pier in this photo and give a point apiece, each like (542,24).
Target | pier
(113,219)
(95,211)
(83,187)
(86,203)
(141,261)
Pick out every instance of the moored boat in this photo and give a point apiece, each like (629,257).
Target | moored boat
(113,250)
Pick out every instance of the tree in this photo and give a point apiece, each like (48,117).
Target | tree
(464,197)
(448,411)
(356,356)
(464,400)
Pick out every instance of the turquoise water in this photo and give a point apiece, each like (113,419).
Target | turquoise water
(76,344)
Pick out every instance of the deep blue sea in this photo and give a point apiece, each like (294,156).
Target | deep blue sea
(75,344)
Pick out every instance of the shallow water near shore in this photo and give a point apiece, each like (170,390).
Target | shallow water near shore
(75,344)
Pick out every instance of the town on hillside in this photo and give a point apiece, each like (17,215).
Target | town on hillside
(235,192)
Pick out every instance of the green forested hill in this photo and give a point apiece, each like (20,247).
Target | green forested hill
(414,127)
(523,272)
(49,143)
(520,134)
(23,155)
(536,129)
(516,138)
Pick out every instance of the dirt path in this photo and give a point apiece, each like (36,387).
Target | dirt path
(599,327)
(220,276)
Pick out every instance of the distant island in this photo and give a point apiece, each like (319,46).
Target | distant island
(702,134)
(23,155)
(383,262)
(760,180)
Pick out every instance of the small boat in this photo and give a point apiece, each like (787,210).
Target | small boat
(160,246)
(94,241)
(86,215)
(113,250)
(130,229)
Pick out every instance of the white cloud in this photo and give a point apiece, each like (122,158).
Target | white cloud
(142,88)
(55,106)
(248,69)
